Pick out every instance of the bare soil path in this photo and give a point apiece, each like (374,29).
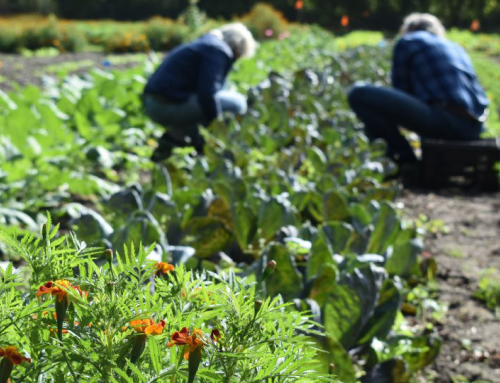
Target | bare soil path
(470,332)
(29,70)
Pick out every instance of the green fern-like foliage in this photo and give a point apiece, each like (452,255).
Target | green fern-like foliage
(241,339)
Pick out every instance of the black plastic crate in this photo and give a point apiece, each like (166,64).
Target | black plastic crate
(463,164)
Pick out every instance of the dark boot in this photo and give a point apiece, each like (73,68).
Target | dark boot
(166,145)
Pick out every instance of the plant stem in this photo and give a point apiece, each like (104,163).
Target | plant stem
(70,367)
(174,377)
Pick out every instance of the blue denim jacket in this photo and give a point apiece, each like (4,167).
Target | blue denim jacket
(197,68)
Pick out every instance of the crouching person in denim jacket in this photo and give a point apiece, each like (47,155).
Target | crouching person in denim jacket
(435,91)
(187,88)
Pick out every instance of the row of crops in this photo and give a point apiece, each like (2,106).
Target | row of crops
(294,181)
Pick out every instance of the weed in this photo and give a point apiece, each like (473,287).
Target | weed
(489,290)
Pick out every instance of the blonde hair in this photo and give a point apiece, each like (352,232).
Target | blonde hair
(239,38)
(423,22)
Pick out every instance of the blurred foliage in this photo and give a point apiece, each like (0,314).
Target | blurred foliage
(484,50)
(128,42)
(487,72)
(164,34)
(35,32)
(480,42)
(373,14)
(158,33)
(264,21)
(489,290)
(193,16)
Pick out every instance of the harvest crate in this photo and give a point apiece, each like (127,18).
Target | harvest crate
(464,164)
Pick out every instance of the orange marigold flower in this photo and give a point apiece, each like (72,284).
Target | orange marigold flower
(53,332)
(11,353)
(59,288)
(475,25)
(148,326)
(163,268)
(344,21)
(182,338)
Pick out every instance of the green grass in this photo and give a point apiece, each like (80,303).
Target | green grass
(484,50)
(357,38)
(489,44)
(488,72)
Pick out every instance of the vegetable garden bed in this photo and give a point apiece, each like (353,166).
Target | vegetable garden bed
(294,181)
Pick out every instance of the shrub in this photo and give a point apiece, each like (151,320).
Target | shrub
(72,41)
(127,42)
(102,32)
(265,22)
(193,17)
(43,34)
(9,41)
(165,34)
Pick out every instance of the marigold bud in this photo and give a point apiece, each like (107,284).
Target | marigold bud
(272,265)
(44,231)
(108,253)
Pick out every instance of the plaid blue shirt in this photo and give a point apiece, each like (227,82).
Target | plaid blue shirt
(435,70)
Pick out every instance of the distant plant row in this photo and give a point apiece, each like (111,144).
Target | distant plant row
(161,34)
(371,14)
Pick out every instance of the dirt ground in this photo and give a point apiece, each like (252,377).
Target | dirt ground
(470,332)
(29,70)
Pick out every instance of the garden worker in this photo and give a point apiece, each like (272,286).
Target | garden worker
(435,92)
(187,88)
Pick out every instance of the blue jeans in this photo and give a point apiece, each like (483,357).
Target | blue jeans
(384,110)
(182,119)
